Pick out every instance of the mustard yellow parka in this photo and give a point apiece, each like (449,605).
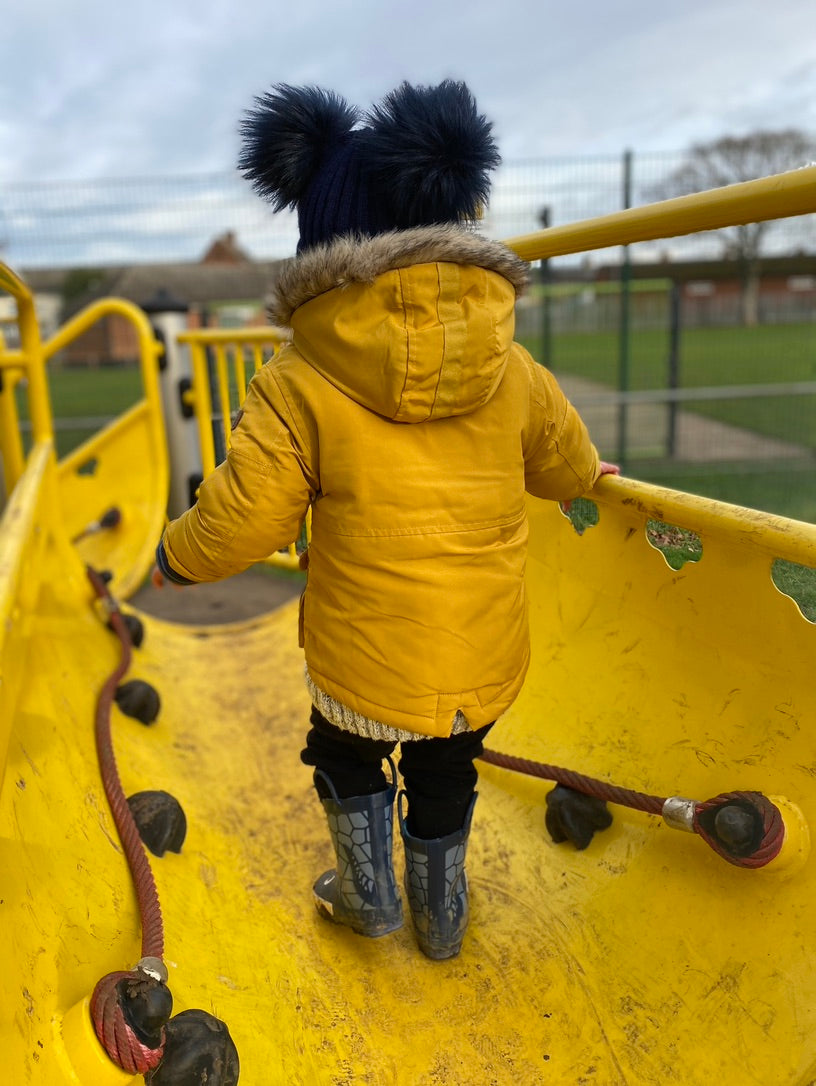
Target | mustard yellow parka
(406,416)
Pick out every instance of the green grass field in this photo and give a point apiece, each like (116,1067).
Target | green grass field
(709,357)
(714,357)
(102,392)
(105,390)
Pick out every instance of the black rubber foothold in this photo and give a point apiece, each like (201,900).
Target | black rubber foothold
(147,1005)
(110,518)
(198,1051)
(135,628)
(139,700)
(574,816)
(160,820)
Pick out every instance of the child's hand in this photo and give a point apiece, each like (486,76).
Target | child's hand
(158,580)
(606,469)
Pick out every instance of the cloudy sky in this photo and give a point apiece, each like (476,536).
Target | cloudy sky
(92,89)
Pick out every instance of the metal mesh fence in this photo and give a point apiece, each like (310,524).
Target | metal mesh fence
(752,447)
(171,219)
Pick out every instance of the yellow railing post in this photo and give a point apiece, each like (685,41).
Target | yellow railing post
(11,441)
(39,400)
(28,362)
(223,342)
(201,402)
(229,347)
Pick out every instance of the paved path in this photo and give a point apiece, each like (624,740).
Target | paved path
(254,592)
(697,438)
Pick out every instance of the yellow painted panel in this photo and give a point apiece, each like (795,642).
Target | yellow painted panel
(643,959)
(124,465)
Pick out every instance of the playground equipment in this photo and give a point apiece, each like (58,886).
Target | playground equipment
(650,956)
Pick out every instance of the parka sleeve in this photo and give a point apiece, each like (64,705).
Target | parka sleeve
(560,461)
(253,503)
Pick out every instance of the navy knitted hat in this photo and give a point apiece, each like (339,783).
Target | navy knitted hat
(423,155)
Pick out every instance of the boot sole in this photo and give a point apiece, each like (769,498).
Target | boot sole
(374,931)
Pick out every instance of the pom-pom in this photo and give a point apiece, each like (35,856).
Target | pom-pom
(431,152)
(286,137)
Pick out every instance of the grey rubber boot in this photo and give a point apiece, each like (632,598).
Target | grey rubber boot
(361,892)
(437,888)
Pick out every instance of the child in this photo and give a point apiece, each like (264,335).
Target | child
(409,421)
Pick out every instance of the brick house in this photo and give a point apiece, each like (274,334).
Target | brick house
(711,291)
(225,289)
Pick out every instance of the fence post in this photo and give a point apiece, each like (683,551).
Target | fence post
(546,326)
(624,339)
(675,324)
(168,316)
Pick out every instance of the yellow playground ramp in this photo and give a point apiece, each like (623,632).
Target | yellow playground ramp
(678,947)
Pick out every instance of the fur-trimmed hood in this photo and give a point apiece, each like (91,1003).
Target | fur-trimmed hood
(414,324)
(362,260)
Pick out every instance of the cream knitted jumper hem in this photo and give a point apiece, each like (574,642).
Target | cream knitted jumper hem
(348,721)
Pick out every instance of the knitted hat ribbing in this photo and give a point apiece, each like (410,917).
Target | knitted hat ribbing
(424,156)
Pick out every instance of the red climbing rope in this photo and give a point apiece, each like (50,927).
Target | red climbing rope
(773,827)
(588,785)
(112,1029)
(703,821)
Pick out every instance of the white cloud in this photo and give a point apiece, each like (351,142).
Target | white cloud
(92,89)
(155,89)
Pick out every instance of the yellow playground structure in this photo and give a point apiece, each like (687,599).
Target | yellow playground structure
(653,956)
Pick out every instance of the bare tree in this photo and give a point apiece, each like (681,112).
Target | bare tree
(731,159)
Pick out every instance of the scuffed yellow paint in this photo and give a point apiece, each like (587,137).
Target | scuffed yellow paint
(80,1056)
(644,959)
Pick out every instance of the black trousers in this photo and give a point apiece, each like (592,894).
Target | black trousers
(438,774)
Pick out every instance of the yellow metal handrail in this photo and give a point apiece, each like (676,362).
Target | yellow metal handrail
(30,359)
(235,352)
(777,197)
(28,362)
(23,540)
(11,439)
(764,533)
(228,345)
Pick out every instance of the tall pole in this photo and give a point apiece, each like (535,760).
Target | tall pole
(675,324)
(219,442)
(624,354)
(168,316)
(546,324)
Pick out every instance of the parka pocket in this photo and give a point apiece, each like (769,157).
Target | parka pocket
(302,620)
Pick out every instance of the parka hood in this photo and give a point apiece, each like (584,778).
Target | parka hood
(412,324)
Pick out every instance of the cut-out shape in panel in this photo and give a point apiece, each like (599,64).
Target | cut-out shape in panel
(798,582)
(582,513)
(88,467)
(677,545)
